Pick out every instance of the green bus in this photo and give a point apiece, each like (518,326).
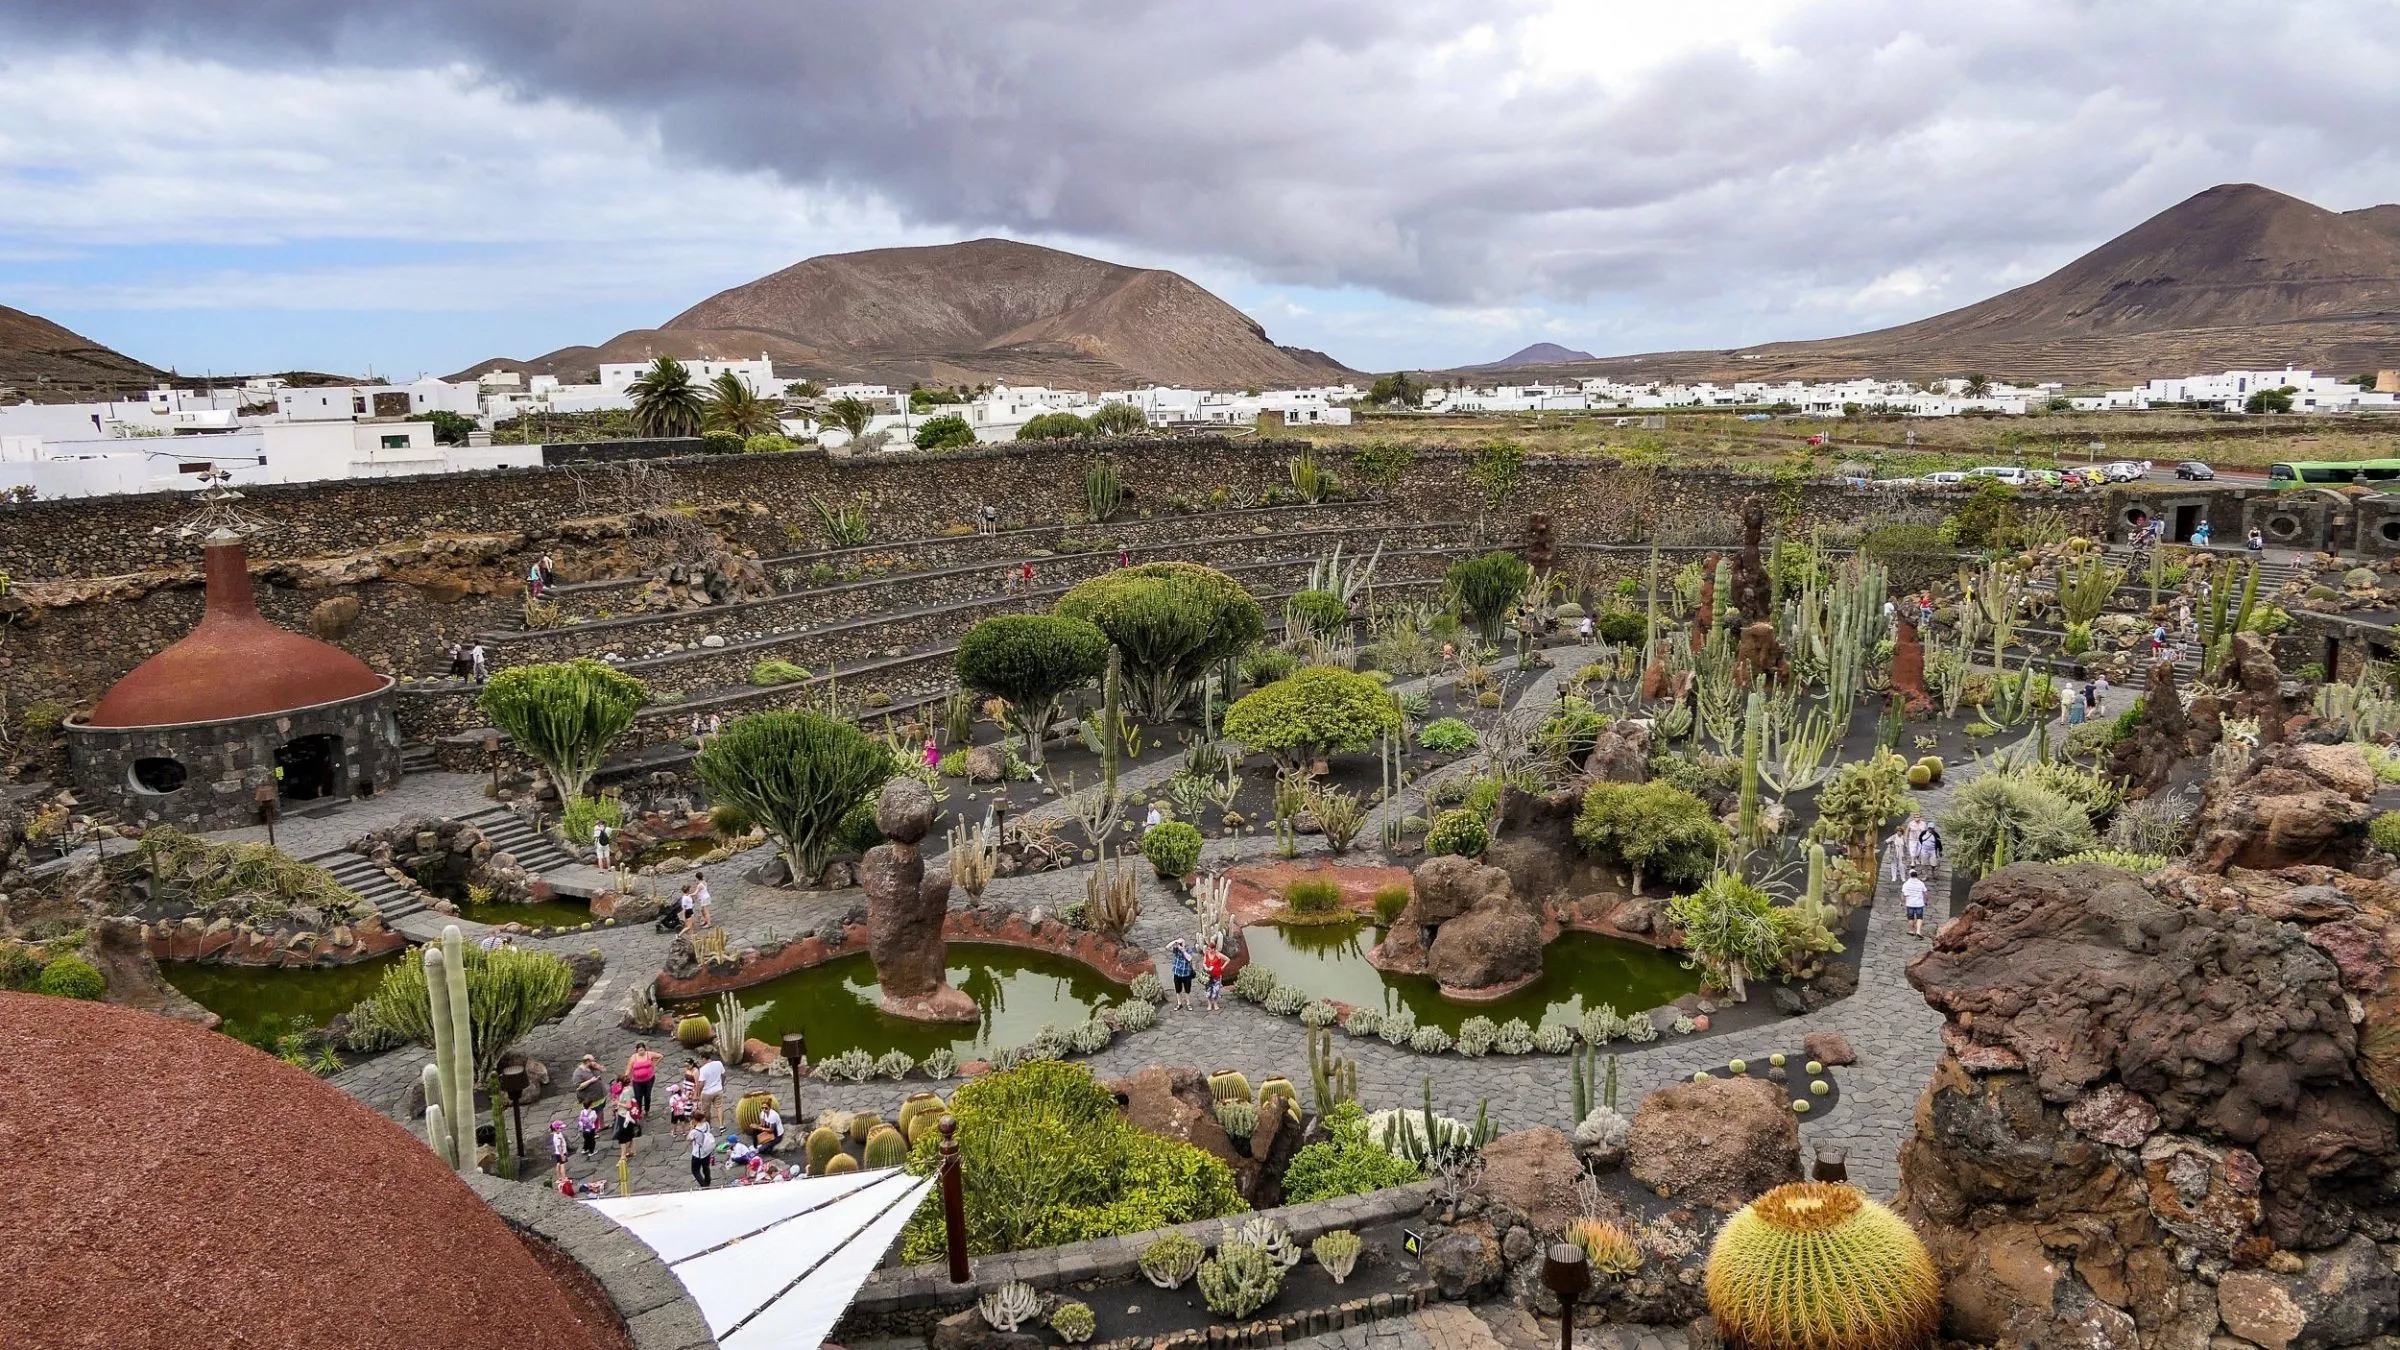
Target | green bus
(2330,471)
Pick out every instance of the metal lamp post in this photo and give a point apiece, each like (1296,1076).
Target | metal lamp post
(491,757)
(513,1081)
(1566,1272)
(795,1053)
(264,795)
(954,1203)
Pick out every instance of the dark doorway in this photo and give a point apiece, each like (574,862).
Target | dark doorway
(2187,519)
(308,767)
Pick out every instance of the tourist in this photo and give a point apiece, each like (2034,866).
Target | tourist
(547,572)
(1153,820)
(641,1069)
(587,1121)
(684,905)
(1896,852)
(991,518)
(743,1155)
(533,582)
(933,754)
(716,723)
(704,1148)
(581,1190)
(2200,535)
(558,1149)
(1179,962)
(601,842)
(712,1088)
(679,1103)
(700,899)
(1026,575)
(1891,614)
(768,1133)
(1912,895)
(1008,581)
(629,1118)
(2073,699)
(478,664)
(458,662)
(2183,614)
(588,1077)
(1920,852)
(2257,542)
(1213,965)
(1124,559)
(1930,845)
(1583,630)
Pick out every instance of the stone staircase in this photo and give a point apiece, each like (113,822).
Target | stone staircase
(511,835)
(419,757)
(358,873)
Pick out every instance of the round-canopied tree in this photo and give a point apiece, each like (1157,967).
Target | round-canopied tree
(1312,713)
(1054,426)
(1172,621)
(564,715)
(1031,660)
(797,774)
(1118,419)
(665,401)
(1654,829)
(1487,586)
(944,432)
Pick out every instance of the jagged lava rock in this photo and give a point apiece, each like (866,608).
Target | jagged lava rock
(1718,1142)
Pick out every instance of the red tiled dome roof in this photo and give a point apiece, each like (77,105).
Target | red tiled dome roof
(234,664)
(191,1191)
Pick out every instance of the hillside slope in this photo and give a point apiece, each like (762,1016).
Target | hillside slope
(47,363)
(988,309)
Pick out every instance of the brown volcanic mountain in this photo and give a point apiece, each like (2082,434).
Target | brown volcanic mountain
(990,309)
(47,363)
(2238,276)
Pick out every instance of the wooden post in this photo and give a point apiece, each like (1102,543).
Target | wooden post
(954,1202)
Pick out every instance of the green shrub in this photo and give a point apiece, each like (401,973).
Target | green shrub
(20,968)
(798,775)
(1054,426)
(1486,587)
(1999,818)
(1319,613)
(1348,1163)
(1173,849)
(1728,927)
(1049,1159)
(858,831)
(1032,661)
(1316,712)
(1174,622)
(1265,665)
(42,716)
(1313,895)
(944,432)
(1458,831)
(769,673)
(1447,735)
(1571,731)
(768,443)
(576,822)
(70,976)
(721,443)
(2384,831)
(1653,829)
(510,991)
(1389,901)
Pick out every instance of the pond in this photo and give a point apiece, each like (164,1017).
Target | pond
(533,914)
(260,1003)
(834,1004)
(1579,971)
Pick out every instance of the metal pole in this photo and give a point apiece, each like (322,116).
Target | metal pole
(795,1053)
(954,1202)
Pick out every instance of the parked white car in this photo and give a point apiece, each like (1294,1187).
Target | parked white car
(2122,471)
(1946,478)
(2006,473)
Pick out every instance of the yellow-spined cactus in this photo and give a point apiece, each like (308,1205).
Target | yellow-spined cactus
(1610,1249)
(1817,1266)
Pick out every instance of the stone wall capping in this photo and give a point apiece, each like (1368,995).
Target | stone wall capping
(657,1312)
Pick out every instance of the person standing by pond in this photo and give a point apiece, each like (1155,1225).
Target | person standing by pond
(1213,965)
(641,1070)
(602,841)
(1179,962)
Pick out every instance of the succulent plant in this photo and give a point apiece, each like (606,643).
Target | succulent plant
(1268,1236)
(1818,1087)
(1776,1060)
(1320,1013)
(693,1032)
(885,1147)
(895,1064)
(941,1063)
(1398,1028)
(1818,1266)
(1170,1260)
(1800,1106)
(1639,1028)
(1228,1085)
(1814,1067)
(1610,1249)
(862,1124)
(1239,1279)
(1430,1041)
(1513,1037)
(1074,1322)
(1148,988)
(1738,1067)
(1556,1038)
(1279,1086)
(1363,1022)
(1239,1119)
(1337,1251)
(1475,1037)
(1600,1025)
(1603,1128)
(1092,1037)
(1009,1306)
(1135,1016)
(822,1145)
(840,1163)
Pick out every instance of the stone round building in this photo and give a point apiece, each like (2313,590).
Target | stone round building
(191,736)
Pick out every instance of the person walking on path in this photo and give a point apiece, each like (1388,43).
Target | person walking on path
(1213,965)
(533,582)
(1583,628)
(704,1148)
(641,1070)
(1895,852)
(712,1089)
(602,842)
(459,669)
(1179,963)
(1912,895)
(684,905)
(700,900)
(478,664)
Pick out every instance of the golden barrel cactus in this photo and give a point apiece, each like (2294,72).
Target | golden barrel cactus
(1817,1266)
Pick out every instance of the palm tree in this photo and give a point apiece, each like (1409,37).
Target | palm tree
(664,401)
(733,406)
(850,414)
(1978,386)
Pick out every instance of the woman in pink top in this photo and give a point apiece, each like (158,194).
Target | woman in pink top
(933,755)
(641,1069)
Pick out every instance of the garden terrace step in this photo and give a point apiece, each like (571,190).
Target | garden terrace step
(359,874)
(418,757)
(535,852)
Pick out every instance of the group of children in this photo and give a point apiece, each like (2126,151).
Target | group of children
(695,1114)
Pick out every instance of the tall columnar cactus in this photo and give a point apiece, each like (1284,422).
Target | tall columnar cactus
(453,1045)
(1103,491)
(1815,896)
(504,1153)
(438,1135)
(1816,1266)
(1333,1077)
(1754,718)
(1112,722)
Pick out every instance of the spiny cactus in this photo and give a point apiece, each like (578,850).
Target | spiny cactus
(1610,1249)
(1268,1236)
(1239,1279)
(822,1145)
(1009,1306)
(840,1163)
(1239,1119)
(1170,1260)
(1337,1251)
(1228,1085)
(861,1124)
(1279,1087)
(1818,1266)
(918,1103)
(885,1147)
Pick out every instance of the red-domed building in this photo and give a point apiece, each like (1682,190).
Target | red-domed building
(196,1192)
(191,736)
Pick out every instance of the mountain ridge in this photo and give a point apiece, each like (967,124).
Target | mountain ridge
(49,362)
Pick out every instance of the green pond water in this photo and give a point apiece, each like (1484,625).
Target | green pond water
(260,1004)
(834,1004)
(1579,971)
(536,914)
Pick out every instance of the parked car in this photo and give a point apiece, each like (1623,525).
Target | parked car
(2088,477)
(2045,477)
(2006,473)
(2121,471)
(2192,468)
(1946,478)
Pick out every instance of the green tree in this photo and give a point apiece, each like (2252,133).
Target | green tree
(850,414)
(449,428)
(1315,711)
(1399,388)
(1054,426)
(1978,386)
(797,774)
(1730,932)
(944,432)
(665,401)
(1653,829)
(1174,621)
(2270,400)
(1031,660)
(1118,418)
(733,406)
(564,715)
(1485,587)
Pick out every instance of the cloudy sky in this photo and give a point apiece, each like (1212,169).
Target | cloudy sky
(415,185)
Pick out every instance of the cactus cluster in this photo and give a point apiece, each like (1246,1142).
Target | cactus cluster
(449,1081)
(1229,1085)
(1337,1251)
(1818,1266)
(1334,1078)
(1239,1119)
(1268,1236)
(1610,1249)
(1171,1260)
(1240,1279)
(920,1114)
(823,1146)
(885,1147)
(1074,1322)
(1009,1306)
